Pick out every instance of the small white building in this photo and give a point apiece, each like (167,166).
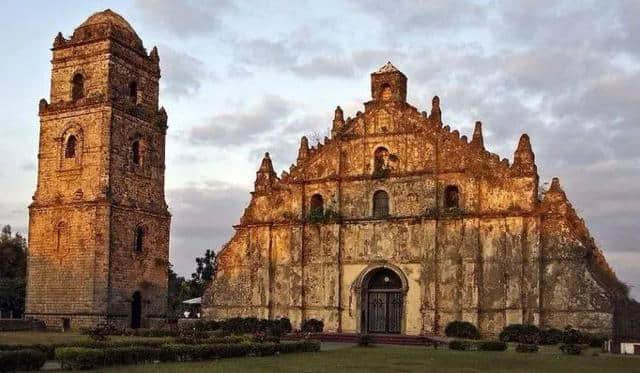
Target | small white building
(626,347)
(631,348)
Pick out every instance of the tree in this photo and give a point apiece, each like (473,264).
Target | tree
(13,268)
(181,289)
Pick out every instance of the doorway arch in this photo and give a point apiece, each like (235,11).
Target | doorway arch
(382,291)
(136,310)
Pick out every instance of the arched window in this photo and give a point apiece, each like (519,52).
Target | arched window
(70,147)
(139,240)
(380,204)
(133,92)
(135,152)
(451,197)
(379,159)
(317,205)
(386,92)
(77,87)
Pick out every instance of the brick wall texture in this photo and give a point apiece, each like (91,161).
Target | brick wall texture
(504,253)
(84,261)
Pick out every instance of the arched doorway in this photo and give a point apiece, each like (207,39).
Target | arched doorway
(383,301)
(136,310)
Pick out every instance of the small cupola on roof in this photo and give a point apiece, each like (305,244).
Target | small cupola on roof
(388,84)
(107,24)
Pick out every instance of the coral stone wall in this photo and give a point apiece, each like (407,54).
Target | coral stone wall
(83,263)
(500,255)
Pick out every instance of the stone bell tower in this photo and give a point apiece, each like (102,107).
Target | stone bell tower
(99,223)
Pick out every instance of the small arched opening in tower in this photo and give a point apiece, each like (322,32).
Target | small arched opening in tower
(139,240)
(387,93)
(135,152)
(380,159)
(380,204)
(70,147)
(317,206)
(133,92)
(451,197)
(77,87)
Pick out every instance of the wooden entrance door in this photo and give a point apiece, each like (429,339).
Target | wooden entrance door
(384,302)
(384,312)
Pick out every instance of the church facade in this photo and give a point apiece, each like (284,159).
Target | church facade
(99,223)
(397,224)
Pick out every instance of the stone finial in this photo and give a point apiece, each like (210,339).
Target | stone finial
(265,175)
(338,121)
(154,55)
(555,193)
(42,105)
(162,118)
(436,114)
(303,151)
(266,165)
(59,40)
(477,139)
(524,161)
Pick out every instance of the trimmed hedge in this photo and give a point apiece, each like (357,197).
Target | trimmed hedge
(312,326)
(462,329)
(492,346)
(527,348)
(85,358)
(49,350)
(571,349)
(460,345)
(521,333)
(531,334)
(11,361)
(364,340)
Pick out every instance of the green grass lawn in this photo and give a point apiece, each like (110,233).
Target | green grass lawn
(402,359)
(338,358)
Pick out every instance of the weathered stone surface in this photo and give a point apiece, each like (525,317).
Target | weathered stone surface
(502,255)
(83,264)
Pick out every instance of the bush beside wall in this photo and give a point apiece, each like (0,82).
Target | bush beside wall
(87,358)
(462,329)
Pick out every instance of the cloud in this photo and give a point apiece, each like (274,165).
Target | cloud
(186,19)
(182,73)
(325,66)
(202,218)
(241,127)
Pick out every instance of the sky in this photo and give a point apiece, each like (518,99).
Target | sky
(243,77)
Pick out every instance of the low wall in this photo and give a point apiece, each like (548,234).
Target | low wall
(7,325)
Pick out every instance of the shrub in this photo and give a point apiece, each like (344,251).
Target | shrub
(459,345)
(521,333)
(492,346)
(21,360)
(192,336)
(364,340)
(594,340)
(312,326)
(551,336)
(83,358)
(462,329)
(523,347)
(572,336)
(206,325)
(102,330)
(285,324)
(79,357)
(571,349)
